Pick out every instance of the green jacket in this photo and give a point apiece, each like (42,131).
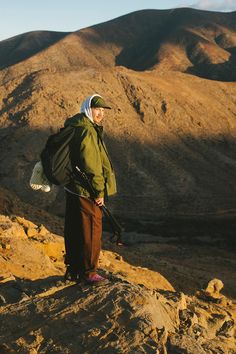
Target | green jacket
(89,152)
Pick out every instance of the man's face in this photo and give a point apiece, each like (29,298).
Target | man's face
(98,114)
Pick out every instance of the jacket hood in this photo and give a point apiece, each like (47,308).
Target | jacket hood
(80,119)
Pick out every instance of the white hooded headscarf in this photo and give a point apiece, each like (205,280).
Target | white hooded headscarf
(86,107)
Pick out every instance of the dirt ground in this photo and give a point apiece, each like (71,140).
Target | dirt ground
(156,301)
(186,251)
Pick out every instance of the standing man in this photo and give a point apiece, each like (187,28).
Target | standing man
(83,215)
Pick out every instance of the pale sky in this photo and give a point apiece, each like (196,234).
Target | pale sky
(20,16)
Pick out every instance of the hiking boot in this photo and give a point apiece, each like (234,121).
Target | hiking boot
(95,279)
(71,276)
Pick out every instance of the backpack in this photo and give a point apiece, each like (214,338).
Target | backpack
(56,156)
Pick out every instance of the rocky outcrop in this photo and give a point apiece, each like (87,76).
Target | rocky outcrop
(137,311)
(119,317)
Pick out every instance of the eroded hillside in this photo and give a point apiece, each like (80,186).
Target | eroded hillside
(171,134)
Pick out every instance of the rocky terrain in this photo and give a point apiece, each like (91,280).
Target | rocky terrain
(138,311)
(170,78)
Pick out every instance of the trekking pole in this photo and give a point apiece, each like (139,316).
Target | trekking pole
(116,227)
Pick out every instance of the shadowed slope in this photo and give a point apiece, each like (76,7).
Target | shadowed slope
(171,137)
(182,39)
(23,46)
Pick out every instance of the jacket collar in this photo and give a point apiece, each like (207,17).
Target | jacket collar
(81,119)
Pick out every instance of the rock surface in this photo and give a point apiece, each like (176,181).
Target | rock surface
(137,311)
(117,318)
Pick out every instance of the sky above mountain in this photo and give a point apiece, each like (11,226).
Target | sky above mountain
(22,16)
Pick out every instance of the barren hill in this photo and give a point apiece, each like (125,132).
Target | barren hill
(19,48)
(171,133)
(184,39)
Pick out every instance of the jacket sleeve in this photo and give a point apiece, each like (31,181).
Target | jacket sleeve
(91,162)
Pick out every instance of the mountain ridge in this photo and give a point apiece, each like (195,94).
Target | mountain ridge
(167,123)
(16,49)
(123,41)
